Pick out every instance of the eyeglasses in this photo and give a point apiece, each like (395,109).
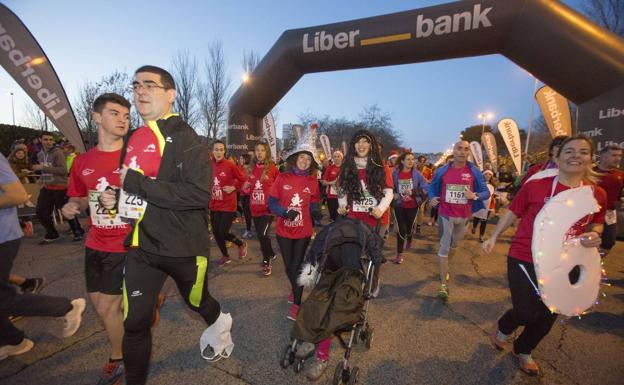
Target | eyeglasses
(147,86)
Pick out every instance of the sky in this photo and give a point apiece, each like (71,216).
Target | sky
(429,103)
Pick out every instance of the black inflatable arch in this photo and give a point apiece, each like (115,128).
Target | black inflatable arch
(555,43)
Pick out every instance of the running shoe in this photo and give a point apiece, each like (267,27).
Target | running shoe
(247,234)
(408,244)
(398,260)
(315,370)
(474,230)
(481,239)
(499,340)
(292,313)
(33,285)
(14,350)
(443,292)
(266,269)
(46,240)
(159,302)
(78,237)
(242,250)
(73,319)
(224,260)
(112,373)
(527,364)
(28,229)
(304,349)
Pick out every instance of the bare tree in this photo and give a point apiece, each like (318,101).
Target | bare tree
(185,76)
(35,118)
(214,94)
(250,61)
(607,13)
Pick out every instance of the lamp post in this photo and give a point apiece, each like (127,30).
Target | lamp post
(12,106)
(484,116)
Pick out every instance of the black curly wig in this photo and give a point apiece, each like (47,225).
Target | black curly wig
(375,169)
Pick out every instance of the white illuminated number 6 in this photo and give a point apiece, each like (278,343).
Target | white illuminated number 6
(554,257)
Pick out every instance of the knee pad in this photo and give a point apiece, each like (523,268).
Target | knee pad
(216,341)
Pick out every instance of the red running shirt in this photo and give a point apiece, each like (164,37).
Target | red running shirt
(295,193)
(453,201)
(527,204)
(260,186)
(612,182)
(359,209)
(331,174)
(406,184)
(245,187)
(224,173)
(143,152)
(94,171)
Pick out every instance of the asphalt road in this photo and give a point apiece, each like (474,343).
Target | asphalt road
(418,339)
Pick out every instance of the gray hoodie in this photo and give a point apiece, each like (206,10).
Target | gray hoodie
(54,171)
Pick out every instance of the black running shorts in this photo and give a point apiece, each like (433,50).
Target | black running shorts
(104,271)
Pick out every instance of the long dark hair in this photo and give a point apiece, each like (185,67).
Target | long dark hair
(375,170)
(267,158)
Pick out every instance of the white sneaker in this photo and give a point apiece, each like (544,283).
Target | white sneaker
(216,341)
(73,319)
(14,350)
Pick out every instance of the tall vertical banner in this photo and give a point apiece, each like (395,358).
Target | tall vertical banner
(556,111)
(22,57)
(511,135)
(326,145)
(489,142)
(477,154)
(268,131)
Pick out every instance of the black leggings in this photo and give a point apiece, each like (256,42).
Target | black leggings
(405,218)
(145,274)
(434,214)
(293,251)
(263,224)
(528,309)
(332,206)
(221,222)
(484,222)
(244,200)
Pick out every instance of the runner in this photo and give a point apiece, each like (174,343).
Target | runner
(261,179)
(330,177)
(611,179)
(105,253)
(12,340)
(459,189)
(575,161)
(481,217)
(166,185)
(227,177)
(409,191)
(294,198)
(244,166)
(365,186)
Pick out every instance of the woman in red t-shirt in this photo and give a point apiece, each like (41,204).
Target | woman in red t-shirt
(409,190)
(574,159)
(294,199)
(244,165)
(261,179)
(226,179)
(330,177)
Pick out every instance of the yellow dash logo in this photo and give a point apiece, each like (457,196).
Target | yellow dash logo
(386,39)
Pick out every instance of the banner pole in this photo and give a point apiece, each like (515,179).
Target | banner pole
(526,145)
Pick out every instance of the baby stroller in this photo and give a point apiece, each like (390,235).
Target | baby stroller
(339,266)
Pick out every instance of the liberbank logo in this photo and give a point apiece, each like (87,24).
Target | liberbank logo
(323,41)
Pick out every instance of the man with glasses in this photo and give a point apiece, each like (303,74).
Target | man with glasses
(166,187)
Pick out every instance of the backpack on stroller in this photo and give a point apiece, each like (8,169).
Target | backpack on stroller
(339,266)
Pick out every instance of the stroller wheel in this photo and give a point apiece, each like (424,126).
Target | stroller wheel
(288,357)
(338,374)
(353,376)
(298,365)
(369,337)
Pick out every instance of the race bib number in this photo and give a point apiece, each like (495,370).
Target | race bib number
(100,216)
(405,188)
(455,194)
(610,217)
(130,205)
(364,205)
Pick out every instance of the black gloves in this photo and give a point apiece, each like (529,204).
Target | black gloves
(317,215)
(290,214)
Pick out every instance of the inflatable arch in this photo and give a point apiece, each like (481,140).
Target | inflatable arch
(556,44)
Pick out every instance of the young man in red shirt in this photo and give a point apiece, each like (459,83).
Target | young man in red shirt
(611,179)
(91,174)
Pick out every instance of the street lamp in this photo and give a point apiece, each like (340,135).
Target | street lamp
(12,106)
(484,116)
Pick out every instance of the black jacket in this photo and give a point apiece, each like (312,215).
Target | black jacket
(175,221)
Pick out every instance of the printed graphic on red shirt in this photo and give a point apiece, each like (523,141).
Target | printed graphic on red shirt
(330,175)
(406,188)
(225,174)
(453,201)
(261,182)
(295,193)
(91,173)
(529,201)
